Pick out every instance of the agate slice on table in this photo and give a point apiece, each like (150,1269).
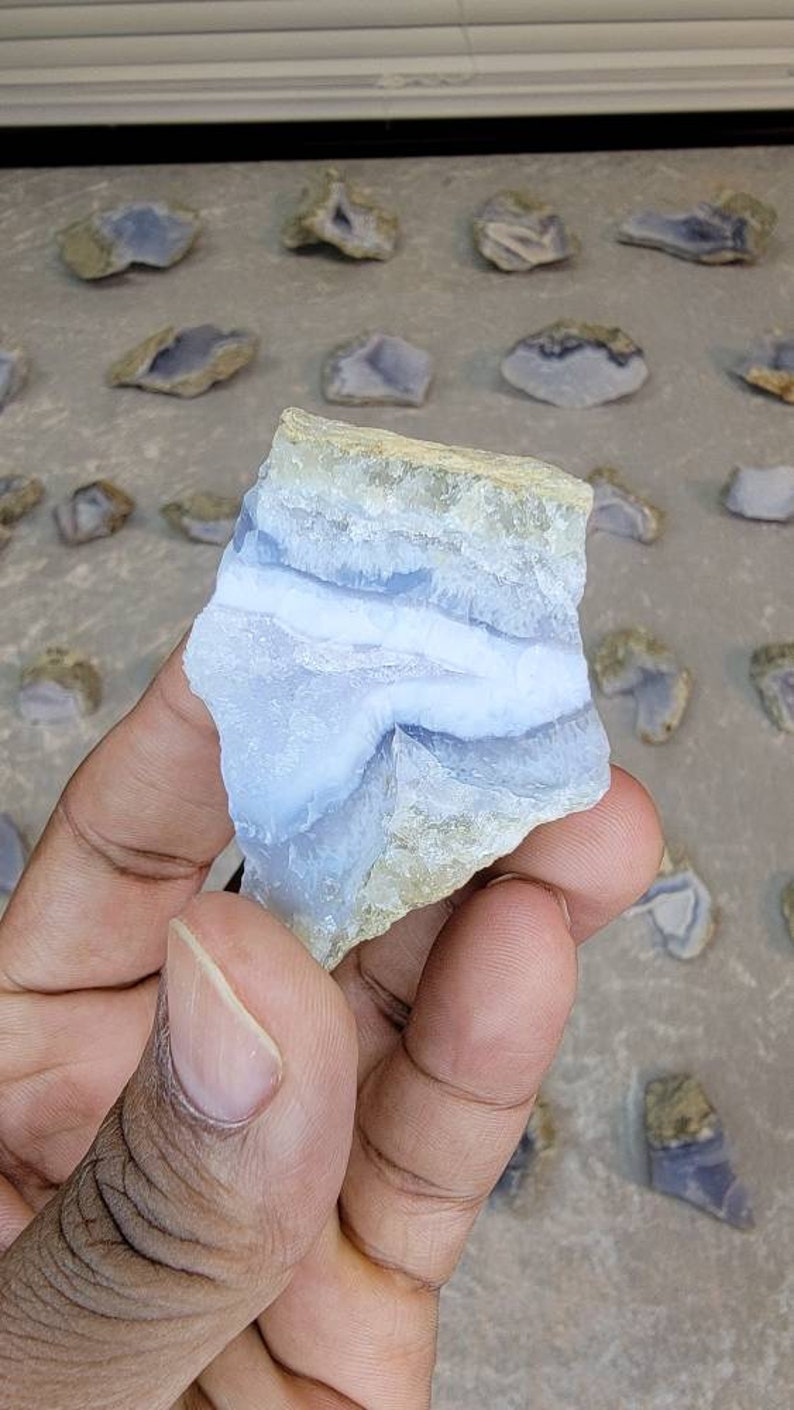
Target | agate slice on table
(772,674)
(618,510)
(518,233)
(689,1157)
(14,368)
(769,366)
(13,854)
(335,212)
(203,517)
(58,687)
(151,233)
(754,492)
(787,907)
(633,662)
(393,660)
(18,495)
(680,908)
(184,362)
(93,511)
(538,1137)
(576,365)
(734,229)
(377,369)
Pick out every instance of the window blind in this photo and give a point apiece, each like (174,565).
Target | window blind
(248,60)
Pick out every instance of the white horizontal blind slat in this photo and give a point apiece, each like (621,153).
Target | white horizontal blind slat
(610,11)
(291,14)
(603,38)
(205,16)
(392,44)
(392,75)
(298,59)
(159,49)
(749,90)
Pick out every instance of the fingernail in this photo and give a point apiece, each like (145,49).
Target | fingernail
(228,1066)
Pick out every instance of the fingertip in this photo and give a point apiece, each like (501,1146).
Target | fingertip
(497,991)
(637,827)
(601,860)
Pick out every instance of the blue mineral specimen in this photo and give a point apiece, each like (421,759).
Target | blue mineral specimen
(576,365)
(733,230)
(393,659)
(689,1158)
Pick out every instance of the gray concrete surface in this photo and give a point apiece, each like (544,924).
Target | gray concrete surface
(593,1293)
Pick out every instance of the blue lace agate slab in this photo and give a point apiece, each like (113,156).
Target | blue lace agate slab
(13,373)
(734,229)
(393,660)
(107,242)
(689,1156)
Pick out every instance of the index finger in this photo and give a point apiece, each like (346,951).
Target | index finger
(132,838)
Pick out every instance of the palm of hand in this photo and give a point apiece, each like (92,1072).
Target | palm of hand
(445,1081)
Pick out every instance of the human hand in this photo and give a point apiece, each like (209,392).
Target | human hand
(151,1268)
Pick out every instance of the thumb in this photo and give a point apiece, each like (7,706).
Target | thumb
(209,1181)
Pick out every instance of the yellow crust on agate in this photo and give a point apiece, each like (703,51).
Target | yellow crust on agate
(514,473)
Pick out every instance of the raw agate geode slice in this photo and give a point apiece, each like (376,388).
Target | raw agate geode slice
(377,369)
(184,362)
(518,233)
(539,1137)
(149,233)
(618,510)
(93,511)
(689,1156)
(758,492)
(393,660)
(576,364)
(680,907)
(734,229)
(335,212)
(13,373)
(769,366)
(772,674)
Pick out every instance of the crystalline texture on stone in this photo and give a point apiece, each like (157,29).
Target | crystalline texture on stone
(618,510)
(184,362)
(689,1157)
(335,212)
(576,365)
(14,370)
(772,674)
(93,511)
(393,659)
(769,366)
(203,517)
(632,662)
(680,908)
(18,495)
(734,229)
(13,854)
(754,492)
(538,1137)
(59,686)
(377,369)
(518,233)
(151,233)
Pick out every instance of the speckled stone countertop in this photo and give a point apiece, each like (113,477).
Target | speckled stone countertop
(591,1292)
